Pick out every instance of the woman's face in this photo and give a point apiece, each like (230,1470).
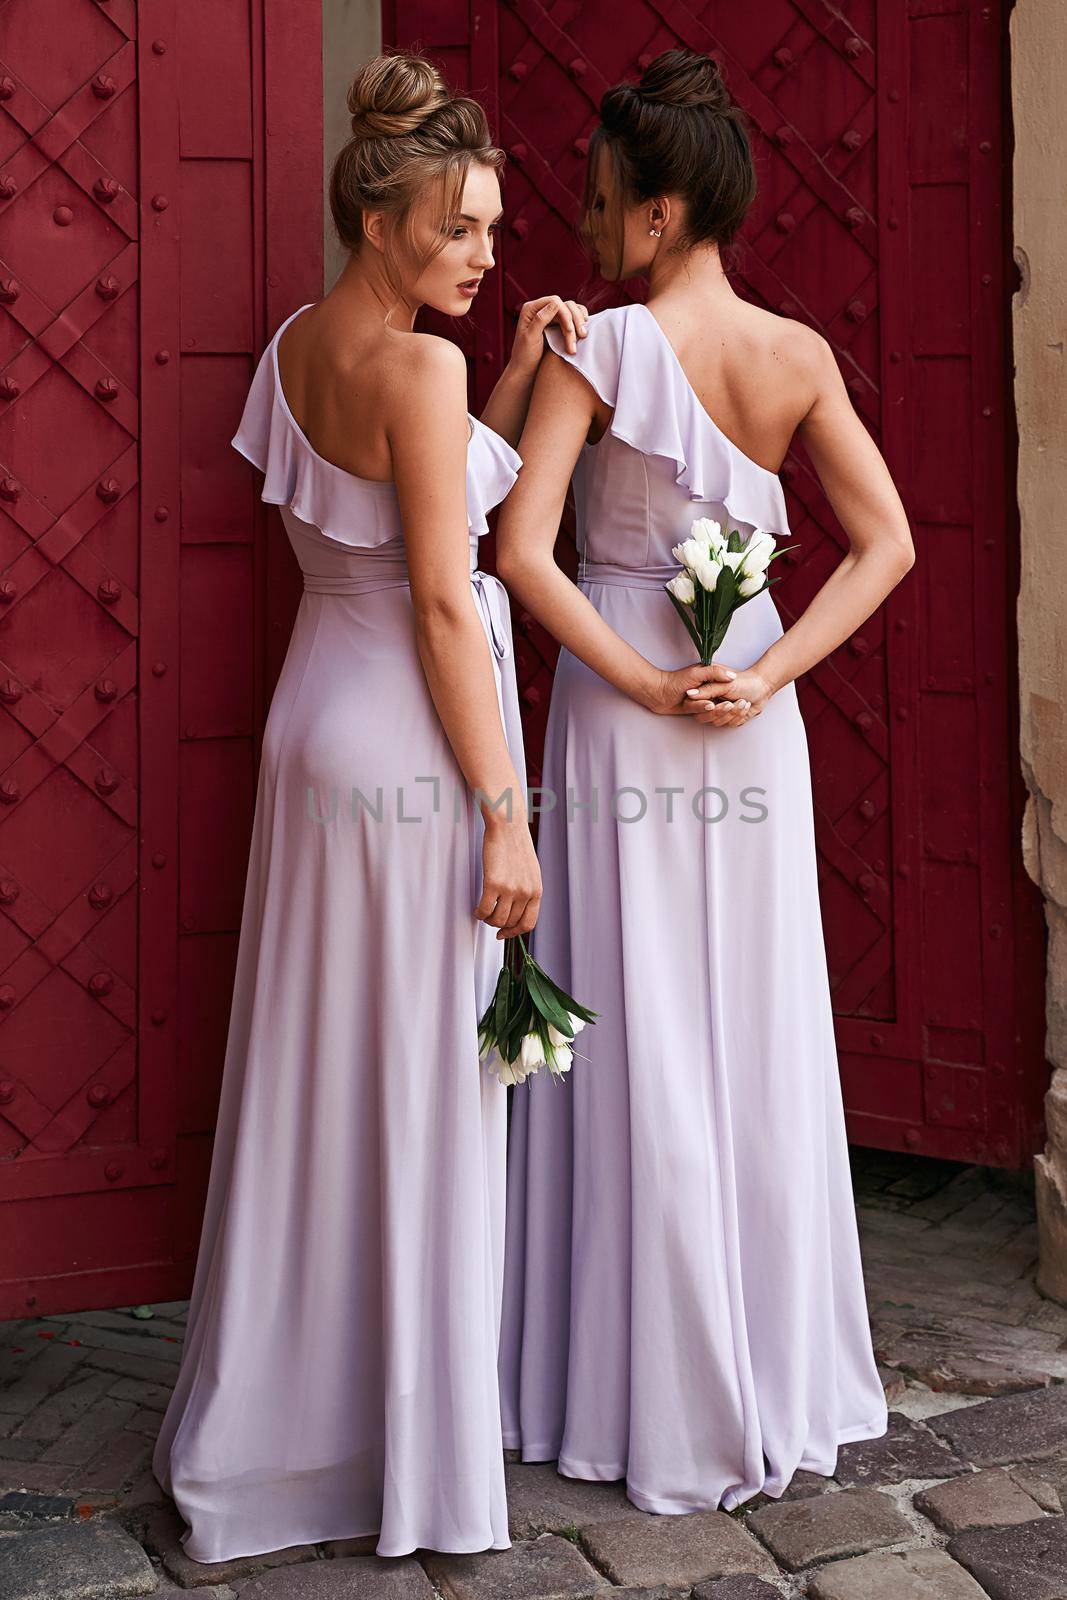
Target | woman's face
(618,232)
(449,281)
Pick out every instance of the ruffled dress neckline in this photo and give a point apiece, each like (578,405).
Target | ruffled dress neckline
(631,364)
(330,497)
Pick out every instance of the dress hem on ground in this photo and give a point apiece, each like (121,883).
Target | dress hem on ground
(590,1472)
(327,1537)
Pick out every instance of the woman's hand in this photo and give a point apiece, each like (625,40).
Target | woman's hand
(743,698)
(511,877)
(537,315)
(668,694)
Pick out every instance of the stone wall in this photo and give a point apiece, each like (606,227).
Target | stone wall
(351,33)
(1039,110)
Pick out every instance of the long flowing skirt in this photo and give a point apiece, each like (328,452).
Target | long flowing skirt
(339,1371)
(683,1303)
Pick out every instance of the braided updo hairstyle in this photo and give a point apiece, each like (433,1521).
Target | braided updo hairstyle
(409,131)
(677,132)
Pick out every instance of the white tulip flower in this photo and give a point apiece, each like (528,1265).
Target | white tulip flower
(690,552)
(758,552)
(556,1038)
(683,588)
(532,1052)
(704,567)
(560,1060)
(509,1072)
(751,585)
(709,533)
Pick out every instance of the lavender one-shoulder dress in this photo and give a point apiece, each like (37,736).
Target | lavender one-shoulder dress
(683,1298)
(339,1371)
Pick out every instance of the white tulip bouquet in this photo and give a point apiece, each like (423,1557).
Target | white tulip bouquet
(530,1022)
(720,572)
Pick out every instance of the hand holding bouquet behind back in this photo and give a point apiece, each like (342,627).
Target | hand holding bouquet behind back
(719,574)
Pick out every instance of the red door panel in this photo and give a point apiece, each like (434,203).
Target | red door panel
(140,202)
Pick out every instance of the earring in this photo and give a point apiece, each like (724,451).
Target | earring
(654,233)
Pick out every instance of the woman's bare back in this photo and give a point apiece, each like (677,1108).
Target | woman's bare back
(341,376)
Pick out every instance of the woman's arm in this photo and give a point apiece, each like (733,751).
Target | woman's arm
(427,432)
(864,499)
(562,410)
(505,410)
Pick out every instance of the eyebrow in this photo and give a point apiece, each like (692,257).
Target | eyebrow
(464,217)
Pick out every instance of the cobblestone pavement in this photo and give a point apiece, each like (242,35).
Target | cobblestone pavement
(962,1498)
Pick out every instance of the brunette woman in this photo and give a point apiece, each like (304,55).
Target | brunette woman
(684,1302)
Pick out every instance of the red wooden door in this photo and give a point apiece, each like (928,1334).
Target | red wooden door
(881,139)
(160,174)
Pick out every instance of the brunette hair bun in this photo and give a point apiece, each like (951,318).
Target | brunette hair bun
(677,131)
(392,95)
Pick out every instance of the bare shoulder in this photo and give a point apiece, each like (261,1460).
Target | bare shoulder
(424,381)
(798,349)
(427,360)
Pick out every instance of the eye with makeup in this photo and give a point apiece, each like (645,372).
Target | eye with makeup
(460,230)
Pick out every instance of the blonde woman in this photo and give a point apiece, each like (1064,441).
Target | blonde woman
(338,1376)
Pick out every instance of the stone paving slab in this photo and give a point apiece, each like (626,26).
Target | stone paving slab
(213,1591)
(364,1544)
(848,1523)
(659,1591)
(1044,1482)
(43,1476)
(905,1451)
(155,1396)
(50,1420)
(542,1500)
(36,1508)
(547,1568)
(967,1354)
(87,1561)
(1028,1562)
(146,1367)
(157,1326)
(166,1349)
(646,1549)
(39,1377)
(743,1588)
(923,1574)
(351,1578)
(1024,1427)
(990,1498)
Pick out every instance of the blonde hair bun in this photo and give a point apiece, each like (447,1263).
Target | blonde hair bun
(393,94)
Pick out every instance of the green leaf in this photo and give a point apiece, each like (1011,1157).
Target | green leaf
(783,550)
(518,1019)
(725,596)
(545,1000)
(502,1002)
(567,1001)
